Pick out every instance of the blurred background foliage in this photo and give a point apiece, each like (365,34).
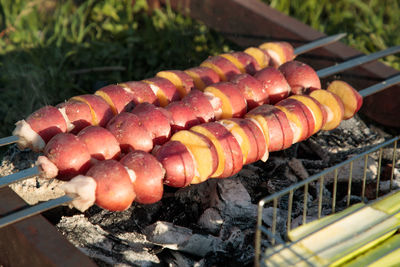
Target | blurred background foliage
(371,25)
(51,50)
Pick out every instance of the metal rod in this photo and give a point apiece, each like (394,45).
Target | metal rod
(364,181)
(290,208)
(305,203)
(19,176)
(8,140)
(357,61)
(350,183)
(33,210)
(393,165)
(378,178)
(318,43)
(335,178)
(320,195)
(257,248)
(380,86)
(314,177)
(274,220)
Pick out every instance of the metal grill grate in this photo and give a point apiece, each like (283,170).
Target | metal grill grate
(269,235)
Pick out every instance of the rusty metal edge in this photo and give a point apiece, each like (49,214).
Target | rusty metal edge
(34,241)
(250,22)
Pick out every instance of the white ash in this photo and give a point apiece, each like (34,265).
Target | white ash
(357,172)
(32,190)
(125,249)
(351,137)
(183,239)
(211,220)
(179,260)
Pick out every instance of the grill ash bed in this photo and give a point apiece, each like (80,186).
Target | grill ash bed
(212,223)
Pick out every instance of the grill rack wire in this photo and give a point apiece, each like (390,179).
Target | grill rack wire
(272,237)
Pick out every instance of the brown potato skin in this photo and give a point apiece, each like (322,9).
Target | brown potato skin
(201,106)
(167,87)
(227,68)
(248,127)
(130,132)
(141,92)
(69,154)
(299,109)
(187,81)
(182,116)
(47,122)
(280,132)
(159,126)
(252,89)
(78,114)
(274,83)
(122,99)
(231,148)
(299,76)
(100,107)
(260,140)
(101,143)
(206,75)
(114,190)
(235,97)
(250,64)
(148,184)
(177,162)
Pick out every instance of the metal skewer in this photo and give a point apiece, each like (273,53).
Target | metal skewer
(318,43)
(357,61)
(376,88)
(8,140)
(33,210)
(19,176)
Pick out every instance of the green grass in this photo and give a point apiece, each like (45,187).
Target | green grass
(51,50)
(371,25)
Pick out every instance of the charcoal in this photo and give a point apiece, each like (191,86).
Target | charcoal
(335,146)
(177,259)
(298,168)
(179,238)
(211,220)
(358,171)
(128,249)
(234,204)
(32,190)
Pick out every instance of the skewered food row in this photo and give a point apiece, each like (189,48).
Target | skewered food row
(135,131)
(167,86)
(210,150)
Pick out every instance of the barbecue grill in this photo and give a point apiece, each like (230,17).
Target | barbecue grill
(34,234)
